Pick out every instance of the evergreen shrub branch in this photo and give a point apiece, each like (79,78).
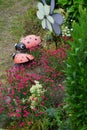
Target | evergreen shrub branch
(76,75)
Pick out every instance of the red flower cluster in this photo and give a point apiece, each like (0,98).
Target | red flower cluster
(48,71)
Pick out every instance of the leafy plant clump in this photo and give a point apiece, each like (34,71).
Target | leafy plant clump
(72,9)
(76,76)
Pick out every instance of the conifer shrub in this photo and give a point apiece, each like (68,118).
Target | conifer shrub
(76,75)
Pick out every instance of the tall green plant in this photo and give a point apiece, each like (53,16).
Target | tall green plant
(76,75)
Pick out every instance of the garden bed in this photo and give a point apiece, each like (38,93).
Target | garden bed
(48,93)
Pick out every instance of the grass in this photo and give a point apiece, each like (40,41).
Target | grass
(12,14)
(6,4)
(29,25)
(2,24)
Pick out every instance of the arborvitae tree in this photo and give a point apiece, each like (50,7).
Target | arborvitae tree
(76,75)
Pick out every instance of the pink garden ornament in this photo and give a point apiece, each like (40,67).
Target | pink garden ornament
(20,58)
(31,41)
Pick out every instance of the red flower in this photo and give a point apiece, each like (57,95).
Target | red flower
(42,103)
(41,113)
(21,124)
(12,92)
(1,109)
(18,115)
(29,122)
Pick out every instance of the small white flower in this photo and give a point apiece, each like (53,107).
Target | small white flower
(37,82)
(36,92)
(23,100)
(71,29)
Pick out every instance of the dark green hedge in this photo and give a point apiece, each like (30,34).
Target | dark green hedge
(76,75)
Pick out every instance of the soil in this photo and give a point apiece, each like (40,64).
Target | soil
(7,40)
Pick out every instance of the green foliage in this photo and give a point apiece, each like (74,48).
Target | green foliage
(37,125)
(76,75)
(72,8)
(51,112)
(58,118)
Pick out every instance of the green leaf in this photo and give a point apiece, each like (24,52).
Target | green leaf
(76,50)
(69,66)
(80,63)
(74,74)
(85,52)
(73,82)
(63,2)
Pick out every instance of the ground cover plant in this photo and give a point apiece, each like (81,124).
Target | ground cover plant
(35,90)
